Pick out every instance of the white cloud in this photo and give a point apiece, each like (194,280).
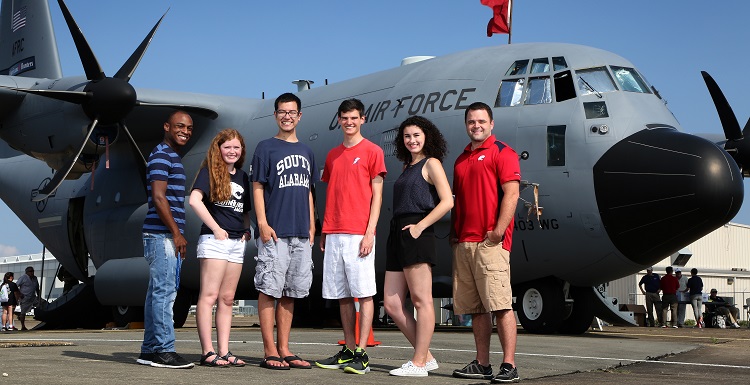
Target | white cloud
(8,251)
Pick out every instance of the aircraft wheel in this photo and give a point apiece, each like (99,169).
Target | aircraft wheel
(123,315)
(580,318)
(181,307)
(540,305)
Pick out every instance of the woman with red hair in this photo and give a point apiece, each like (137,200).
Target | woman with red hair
(221,198)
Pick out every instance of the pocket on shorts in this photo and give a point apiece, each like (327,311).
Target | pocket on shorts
(265,261)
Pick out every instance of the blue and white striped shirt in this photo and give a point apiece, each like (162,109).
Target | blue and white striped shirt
(164,164)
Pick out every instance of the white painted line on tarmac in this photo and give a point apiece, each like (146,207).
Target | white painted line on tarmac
(621,360)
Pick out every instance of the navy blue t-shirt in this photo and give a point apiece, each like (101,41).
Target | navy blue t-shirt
(164,164)
(286,170)
(695,284)
(652,283)
(228,214)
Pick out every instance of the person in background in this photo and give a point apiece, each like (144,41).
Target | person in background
(695,291)
(10,305)
(221,198)
(650,287)
(682,297)
(28,287)
(720,306)
(669,286)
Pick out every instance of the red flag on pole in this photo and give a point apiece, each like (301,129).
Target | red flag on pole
(500,22)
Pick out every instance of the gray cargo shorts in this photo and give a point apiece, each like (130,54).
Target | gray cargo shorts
(284,268)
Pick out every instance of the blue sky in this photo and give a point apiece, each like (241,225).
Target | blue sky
(244,48)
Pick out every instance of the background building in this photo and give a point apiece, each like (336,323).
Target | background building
(721,258)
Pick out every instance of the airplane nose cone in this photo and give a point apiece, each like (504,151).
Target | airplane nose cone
(660,189)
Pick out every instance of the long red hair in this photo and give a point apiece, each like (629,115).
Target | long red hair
(218,175)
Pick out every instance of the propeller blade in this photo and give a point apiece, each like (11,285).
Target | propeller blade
(202,111)
(728,120)
(139,159)
(77,97)
(127,69)
(63,172)
(88,59)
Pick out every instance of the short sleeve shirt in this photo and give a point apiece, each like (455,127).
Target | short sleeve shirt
(286,171)
(652,283)
(229,214)
(349,172)
(477,179)
(164,164)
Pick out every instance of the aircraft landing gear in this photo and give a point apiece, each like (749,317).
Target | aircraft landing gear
(540,305)
(582,313)
(123,315)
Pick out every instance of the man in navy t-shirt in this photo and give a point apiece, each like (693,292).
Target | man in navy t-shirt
(652,283)
(283,172)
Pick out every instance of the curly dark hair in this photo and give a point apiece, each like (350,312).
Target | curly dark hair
(434,143)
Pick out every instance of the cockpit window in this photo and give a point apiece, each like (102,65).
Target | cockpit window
(594,81)
(540,91)
(539,65)
(518,68)
(511,93)
(559,63)
(629,80)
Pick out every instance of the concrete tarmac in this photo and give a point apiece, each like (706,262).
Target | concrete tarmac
(617,355)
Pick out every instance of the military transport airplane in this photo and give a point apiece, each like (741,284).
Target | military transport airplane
(611,184)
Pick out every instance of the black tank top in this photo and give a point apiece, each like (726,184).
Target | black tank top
(412,194)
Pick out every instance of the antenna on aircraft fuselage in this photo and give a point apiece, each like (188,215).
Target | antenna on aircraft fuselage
(303,85)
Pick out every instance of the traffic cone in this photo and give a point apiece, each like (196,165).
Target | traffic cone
(370,339)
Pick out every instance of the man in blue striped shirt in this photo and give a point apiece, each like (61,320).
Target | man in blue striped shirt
(164,244)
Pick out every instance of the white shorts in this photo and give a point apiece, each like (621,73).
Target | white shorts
(345,274)
(232,250)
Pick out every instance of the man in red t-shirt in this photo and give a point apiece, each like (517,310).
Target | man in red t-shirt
(669,286)
(486,181)
(354,172)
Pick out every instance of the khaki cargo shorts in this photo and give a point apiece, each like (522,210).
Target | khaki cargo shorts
(481,278)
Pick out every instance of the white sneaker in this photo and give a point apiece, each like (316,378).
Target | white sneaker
(431,365)
(409,370)
(736,325)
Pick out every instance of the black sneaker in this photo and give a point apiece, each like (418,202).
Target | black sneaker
(338,361)
(170,360)
(145,358)
(474,370)
(360,364)
(508,373)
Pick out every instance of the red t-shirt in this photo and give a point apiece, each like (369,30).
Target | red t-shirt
(349,173)
(477,177)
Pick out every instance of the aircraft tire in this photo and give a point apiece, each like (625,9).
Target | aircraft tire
(540,305)
(580,318)
(123,315)
(181,307)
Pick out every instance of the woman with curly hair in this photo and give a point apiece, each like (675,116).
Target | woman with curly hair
(10,305)
(421,196)
(221,198)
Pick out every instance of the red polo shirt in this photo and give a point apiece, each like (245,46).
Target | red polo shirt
(477,177)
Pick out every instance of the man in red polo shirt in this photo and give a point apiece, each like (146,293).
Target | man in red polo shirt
(486,180)
(669,286)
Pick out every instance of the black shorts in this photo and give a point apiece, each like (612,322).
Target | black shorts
(403,250)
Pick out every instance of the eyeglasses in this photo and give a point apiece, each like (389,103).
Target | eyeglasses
(292,113)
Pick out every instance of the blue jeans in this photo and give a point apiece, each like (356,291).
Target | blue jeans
(158,333)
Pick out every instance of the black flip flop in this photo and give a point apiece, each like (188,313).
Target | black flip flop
(289,360)
(264,363)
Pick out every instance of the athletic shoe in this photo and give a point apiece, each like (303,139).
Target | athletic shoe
(431,365)
(409,370)
(474,370)
(674,326)
(170,360)
(145,358)
(736,325)
(360,364)
(338,361)
(508,373)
